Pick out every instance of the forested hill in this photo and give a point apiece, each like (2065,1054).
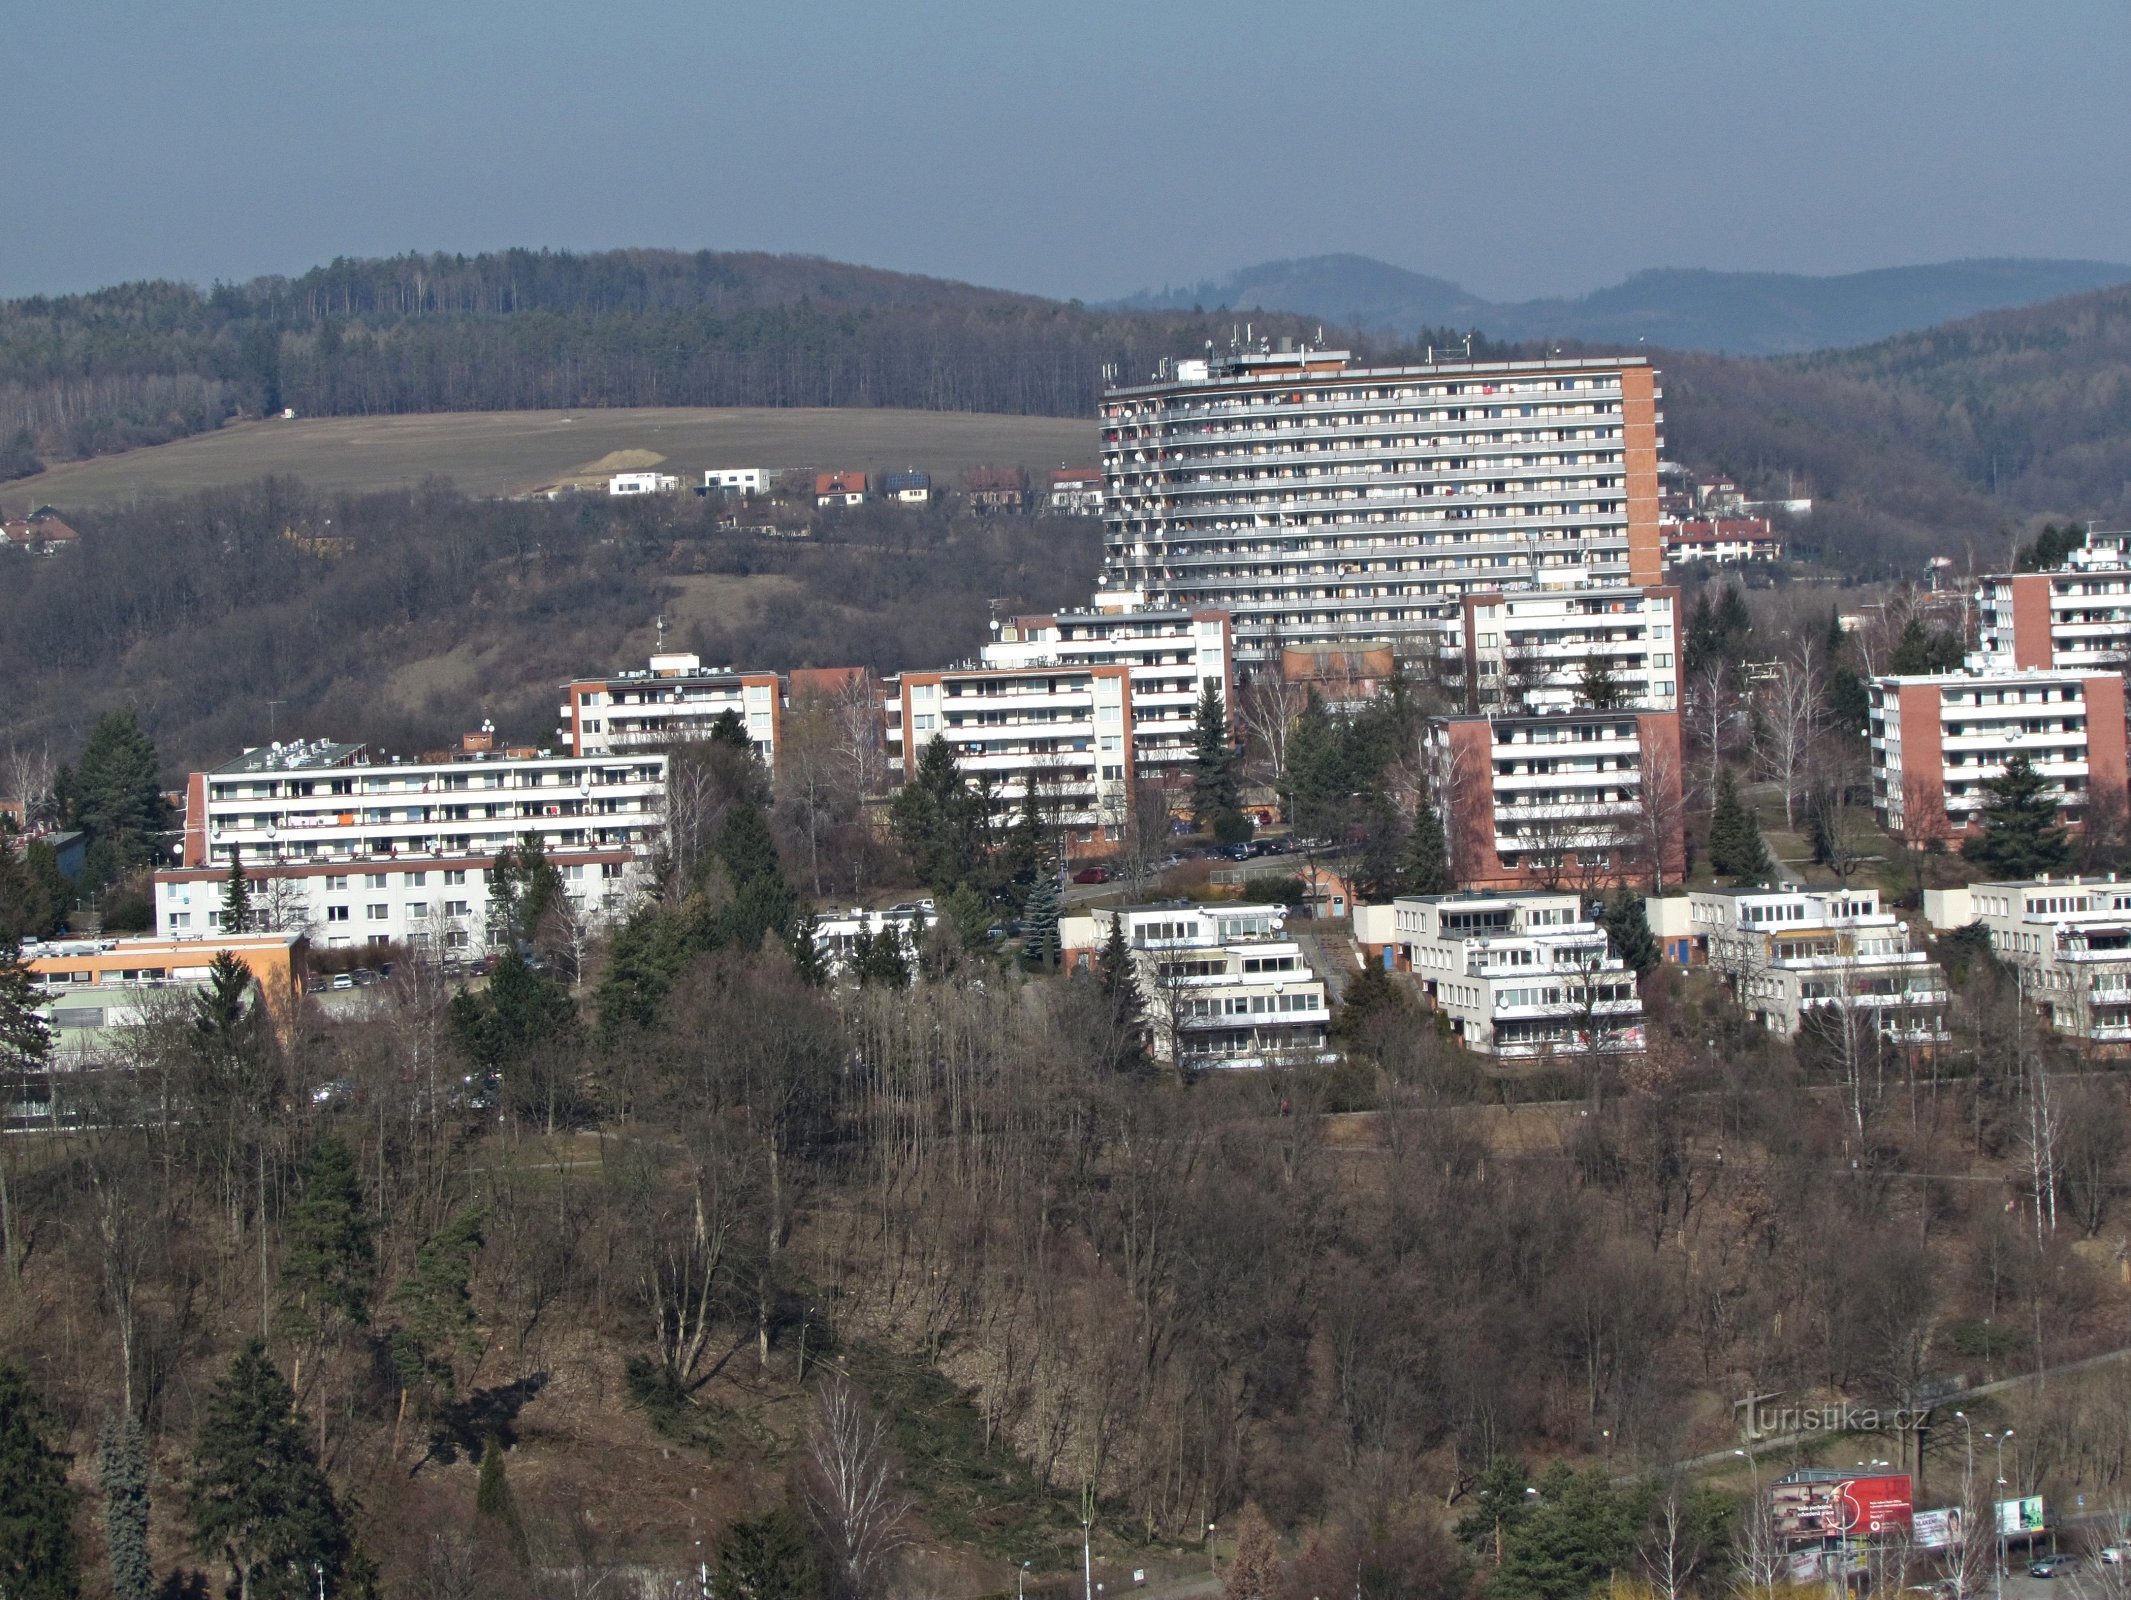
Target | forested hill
(1931,442)
(143,363)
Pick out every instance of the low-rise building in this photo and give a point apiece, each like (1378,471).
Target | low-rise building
(1220,983)
(838,936)
(674,700)
(1581,798)
(737,480)
(996,489)
(89,987)
(1521,973)
(1724,541)
(2070,939)
(910,487)
(627,483)
(1937,741)
(1345,680)
(1076,492)
(1790,955)
(43,533)
(840,488)
(1547,647)
(349,851)
(2075,619)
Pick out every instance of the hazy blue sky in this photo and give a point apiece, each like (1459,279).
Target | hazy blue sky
(1519,147)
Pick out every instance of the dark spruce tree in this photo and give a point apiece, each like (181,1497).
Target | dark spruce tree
(113,794)
(122,1478)
(939,820)
(1118,981)
(1039,924)
(769,1557)
(2020,836)
(1735,847)
(25,1037)
(1627,923)
(38,1558)
(328,1258)
(236,899)
(1216,795)
(1424,865)
(257,1499)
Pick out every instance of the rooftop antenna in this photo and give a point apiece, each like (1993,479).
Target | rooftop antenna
(662,632)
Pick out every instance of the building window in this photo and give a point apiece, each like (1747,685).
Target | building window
(336,913)
(181,919)
(373,880)
(336,881)
(417,880)
(454,875)
(378,911)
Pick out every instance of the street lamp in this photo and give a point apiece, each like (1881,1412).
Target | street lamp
(1021,1582)
(1210,1567)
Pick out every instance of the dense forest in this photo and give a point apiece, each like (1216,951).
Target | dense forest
(403,619)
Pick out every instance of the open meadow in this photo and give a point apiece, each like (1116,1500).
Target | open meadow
(518,452)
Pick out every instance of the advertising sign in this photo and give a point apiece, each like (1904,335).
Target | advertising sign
(2016,1517)
(1937,1530)
(1869,1506)
(1801,1510)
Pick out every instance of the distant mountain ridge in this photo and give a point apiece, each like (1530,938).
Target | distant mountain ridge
(1737,313)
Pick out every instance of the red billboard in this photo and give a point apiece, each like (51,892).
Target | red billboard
(1868,1506)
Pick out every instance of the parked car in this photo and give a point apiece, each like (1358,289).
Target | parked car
(2116,1555)
(343,980)
(1092,875)
(2050,1566)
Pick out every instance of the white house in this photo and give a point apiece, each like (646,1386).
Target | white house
(1790,954)
(623,483)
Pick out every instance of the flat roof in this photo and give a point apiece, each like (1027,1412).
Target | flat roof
(1292,370)
(300,756)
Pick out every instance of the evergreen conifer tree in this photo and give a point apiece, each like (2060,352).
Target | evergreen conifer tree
(122,1476)
(237,899)
(887,959)
(728,730)
(25,1036)
(1216,796)
(1118,981)
(114,795)
(1424,865)
(1735,847)
(38,1558)
(492,1497)
(257,1498)
(1598,688)
(1627,924)
(328,1256)
(768,1557)
(940,821)
(2020,837)
(435,1303)
(1039,923)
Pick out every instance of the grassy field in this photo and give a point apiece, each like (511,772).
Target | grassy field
(515,452)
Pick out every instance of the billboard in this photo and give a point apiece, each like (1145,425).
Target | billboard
(1868,1506)
(1936,1530)
(2017,1517)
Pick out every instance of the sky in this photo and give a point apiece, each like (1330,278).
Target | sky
(1519,147)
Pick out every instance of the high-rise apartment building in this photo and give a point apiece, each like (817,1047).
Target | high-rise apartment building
(1324,503)
(2075,618)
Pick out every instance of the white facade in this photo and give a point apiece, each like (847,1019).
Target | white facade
(1531,649)
(1323,504)
(623,483)
(1079,705)
(2070,938)
(1790,953)
(1520,973)
(355,852)
(671,702)
(1220,984)
(837,936)
(1076,494)
(737,480)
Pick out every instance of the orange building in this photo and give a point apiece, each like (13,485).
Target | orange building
(96,984)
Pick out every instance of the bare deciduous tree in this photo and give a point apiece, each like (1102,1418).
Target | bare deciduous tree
(854,1488)
(1793,705)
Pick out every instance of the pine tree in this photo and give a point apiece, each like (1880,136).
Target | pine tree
(222,1013)
(236,898)
(1424,865)
(122,1476)
(328,1256)
(521,1011)
(940,821)
(886,963)
(1598,688)
(38,1558)
(1735,847)
(768,1557)
(257,1498)
(523,887)
(728,730)
(1626,920)
(1118,981)
(2021,837)
(25,1036)
(1216,798)
(1039,924)
(114,795)
(492,1497)
(435,1301)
